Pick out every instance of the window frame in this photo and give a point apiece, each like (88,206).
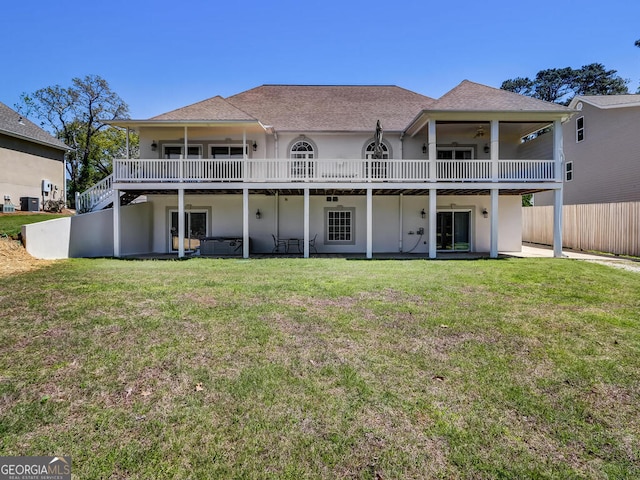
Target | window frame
(568,171)
(580,129)
(330,226)
(228,146)
(199,146)
(302,161)
(453,150)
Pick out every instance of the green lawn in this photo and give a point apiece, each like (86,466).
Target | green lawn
(324,368)
(10,224)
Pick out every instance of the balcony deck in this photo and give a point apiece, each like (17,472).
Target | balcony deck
(331,171)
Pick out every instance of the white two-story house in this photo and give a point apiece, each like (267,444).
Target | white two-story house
(291,168)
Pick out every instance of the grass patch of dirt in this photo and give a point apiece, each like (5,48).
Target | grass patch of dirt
(14,259)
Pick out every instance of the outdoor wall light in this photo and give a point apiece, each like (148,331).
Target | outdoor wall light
(258,214)
(255,146)
(423,213)
(424,148)
(486,148)
(154,145)
(485,214)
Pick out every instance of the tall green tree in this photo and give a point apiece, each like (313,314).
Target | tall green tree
(560,85)
(77,115)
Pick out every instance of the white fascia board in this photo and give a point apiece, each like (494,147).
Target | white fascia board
(578,99)
(135,124)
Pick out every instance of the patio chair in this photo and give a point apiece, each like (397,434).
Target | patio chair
(312,243)
(277,243)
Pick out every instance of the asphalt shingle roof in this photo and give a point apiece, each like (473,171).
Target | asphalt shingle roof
(311,107)
(351,107)
(470,96)
(609,101)
(214,109)
(13,124)
(331,107)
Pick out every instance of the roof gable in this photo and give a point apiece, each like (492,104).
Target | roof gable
(470,96)
(15,125)
(331,107)
(213,109)
(607,101)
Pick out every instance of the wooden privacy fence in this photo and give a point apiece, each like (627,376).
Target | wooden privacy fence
(603,227)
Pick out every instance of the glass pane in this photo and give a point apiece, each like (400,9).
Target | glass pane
(172,152)
(444,230)
(198,224)
(463,154)
(235,152)
(194,152)
(219,152)
(461,230)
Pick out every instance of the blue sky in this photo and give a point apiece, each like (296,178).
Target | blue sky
(160,55)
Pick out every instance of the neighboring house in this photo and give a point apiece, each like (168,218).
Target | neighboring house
(31,162)
(288,167)
(602,151)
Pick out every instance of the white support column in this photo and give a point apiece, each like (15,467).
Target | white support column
(181,224)
(244,153)
(493,249)
(558,157)
(128,145)
(185,154)
(369,223)
(245,223)
(557,223)
(433,151)
(401,222)
(277,214)
(306,223)
(558,146)
(433,215)
(495,149)
(116,223)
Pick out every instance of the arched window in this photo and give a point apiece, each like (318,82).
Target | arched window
(378,167)
(368,153)
(302,152)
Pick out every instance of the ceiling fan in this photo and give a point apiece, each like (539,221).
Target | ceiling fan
(479,132)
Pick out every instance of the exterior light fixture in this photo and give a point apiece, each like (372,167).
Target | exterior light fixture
(258,214)
(486,148)
(485,214)
(154,145)
(423,213)
(424,148)
(254,146)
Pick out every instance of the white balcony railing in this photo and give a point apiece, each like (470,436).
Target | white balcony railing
(323,171)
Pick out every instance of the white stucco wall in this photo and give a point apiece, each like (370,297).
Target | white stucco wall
(224,217)
(90,234)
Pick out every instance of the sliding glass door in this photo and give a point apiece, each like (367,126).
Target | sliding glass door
(453,231)
(195,228)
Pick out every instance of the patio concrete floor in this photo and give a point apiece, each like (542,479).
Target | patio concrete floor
(528,251)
